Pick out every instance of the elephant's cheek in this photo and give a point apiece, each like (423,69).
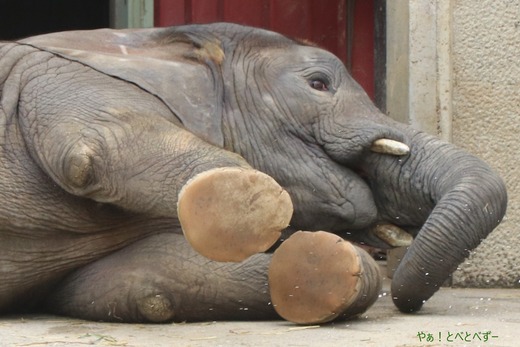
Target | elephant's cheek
(351,206)
(364,210)
(356,208)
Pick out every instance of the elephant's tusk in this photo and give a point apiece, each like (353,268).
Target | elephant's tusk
(393,235)
(387,146)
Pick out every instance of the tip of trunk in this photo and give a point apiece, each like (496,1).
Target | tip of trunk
(410,289)
(405,303)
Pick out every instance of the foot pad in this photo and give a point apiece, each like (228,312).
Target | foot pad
(316,277)
(228,214)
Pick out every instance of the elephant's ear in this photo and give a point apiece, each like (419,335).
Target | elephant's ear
(179,67)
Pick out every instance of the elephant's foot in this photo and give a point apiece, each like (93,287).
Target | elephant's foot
(316,277)
(228,214)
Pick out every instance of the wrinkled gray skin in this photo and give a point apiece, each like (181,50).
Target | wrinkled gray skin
(101,129)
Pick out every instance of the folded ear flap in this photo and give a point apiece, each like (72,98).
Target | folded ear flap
(179,67)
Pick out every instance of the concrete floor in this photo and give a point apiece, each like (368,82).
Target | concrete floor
(453,317)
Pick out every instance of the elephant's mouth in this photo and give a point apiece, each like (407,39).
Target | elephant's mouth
(384,234)
(392,235)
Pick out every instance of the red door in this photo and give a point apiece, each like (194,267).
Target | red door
(322,22)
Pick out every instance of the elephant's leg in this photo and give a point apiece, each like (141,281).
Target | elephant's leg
(161,279)
(314,277)
(107,140)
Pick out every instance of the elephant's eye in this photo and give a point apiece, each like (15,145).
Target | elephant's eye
(319,84)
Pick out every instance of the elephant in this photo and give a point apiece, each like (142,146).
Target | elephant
(148,175)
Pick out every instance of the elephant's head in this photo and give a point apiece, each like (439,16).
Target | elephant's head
(292,110)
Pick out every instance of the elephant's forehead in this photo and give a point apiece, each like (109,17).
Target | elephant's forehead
(311,54)
(314,59)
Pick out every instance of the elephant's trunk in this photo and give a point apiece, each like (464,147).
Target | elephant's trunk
(469,201)
(452,197)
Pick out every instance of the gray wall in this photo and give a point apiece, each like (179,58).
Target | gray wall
(454,71)
(486,121)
